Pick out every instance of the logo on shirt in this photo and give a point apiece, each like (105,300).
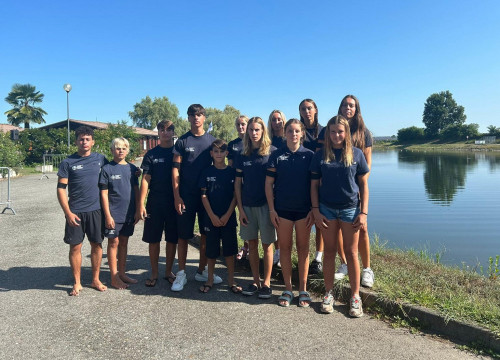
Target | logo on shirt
(116,177)
(247,163)
(235,148)
(211,178)
(160,160)
(207,229)
(77,167)
(189,149)
(283,157)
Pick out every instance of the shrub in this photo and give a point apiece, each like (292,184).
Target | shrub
(10,152)
(412,133)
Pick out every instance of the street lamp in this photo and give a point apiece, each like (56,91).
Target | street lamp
(67,88)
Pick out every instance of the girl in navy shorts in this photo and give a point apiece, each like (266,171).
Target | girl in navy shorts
(252,204)
(335,199)
(289,206)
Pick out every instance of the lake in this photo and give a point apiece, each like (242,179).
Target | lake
(446,202)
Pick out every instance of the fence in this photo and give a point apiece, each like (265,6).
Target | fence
(5,198)
(50,164)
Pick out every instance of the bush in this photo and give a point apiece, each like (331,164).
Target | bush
(412,133)
(36,142)
(460,132)
(104,137)
(10,152)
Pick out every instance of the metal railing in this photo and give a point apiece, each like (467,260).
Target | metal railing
(5,172)
(51,163)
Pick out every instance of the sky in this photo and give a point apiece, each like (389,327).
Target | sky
(256,56)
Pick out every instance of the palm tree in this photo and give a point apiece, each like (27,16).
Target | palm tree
(23,97)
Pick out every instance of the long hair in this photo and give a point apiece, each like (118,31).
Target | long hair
(265,142)
(316,123)
(270,130)
(302,127)
(356,123)
(347,154)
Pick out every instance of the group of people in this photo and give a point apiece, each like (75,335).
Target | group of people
(283,177)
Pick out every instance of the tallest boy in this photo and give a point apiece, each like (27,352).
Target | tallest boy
(191,157)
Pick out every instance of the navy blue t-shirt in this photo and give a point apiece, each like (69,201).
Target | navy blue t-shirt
(338,188)
(195,152)
(311,141)
(220,190)
(234,148)
(278,141)
(83,181)
(120,180)
(292,184)
(158,164)
(254,169)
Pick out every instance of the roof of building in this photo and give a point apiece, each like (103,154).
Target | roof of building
(8,127)
(97,125)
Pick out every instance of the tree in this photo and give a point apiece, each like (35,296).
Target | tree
(23,98)
(104,137)
(493,130)
(148,113)
(222,122)
(460,132)
(441,110)
(412,133)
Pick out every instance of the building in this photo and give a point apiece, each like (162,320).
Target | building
(148,138)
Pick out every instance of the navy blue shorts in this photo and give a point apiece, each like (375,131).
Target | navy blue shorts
(292,215)
(90,225)
(185,222)
(160,219)
(121,229)
(229,241)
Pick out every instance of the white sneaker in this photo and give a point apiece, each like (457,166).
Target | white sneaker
(276,257)
(367,277)
(341,272)
(356,307)
(180,281)
(204,277)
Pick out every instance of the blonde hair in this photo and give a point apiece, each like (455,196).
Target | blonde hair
(241,117)
(119,141)
(270,130)
(347,153)
(265,142)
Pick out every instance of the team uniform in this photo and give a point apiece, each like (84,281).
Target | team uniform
(234,148)
(219,185)
(338,190)
(311,138)
(278,142)
(120,181)
(195,153)
(83,196)
(292,173)
(160,207)
(252,169)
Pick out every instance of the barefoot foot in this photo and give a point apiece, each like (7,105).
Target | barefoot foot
(127,279)
(98,285)
(76,290)
(117,283)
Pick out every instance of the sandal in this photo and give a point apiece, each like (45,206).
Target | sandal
(242,253)
(170,279)
(205,288)
(151,282)
(304,299)
(285,299)
(235,289)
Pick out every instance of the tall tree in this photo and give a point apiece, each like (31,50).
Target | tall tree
(148,113)
(23,98)
(222,122)
(441,110)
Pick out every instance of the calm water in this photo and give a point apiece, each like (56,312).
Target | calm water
(440,202)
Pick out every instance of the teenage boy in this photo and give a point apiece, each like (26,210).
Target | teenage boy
(119,193)
(217,196)
(159,213)
(81,206)
(191,157)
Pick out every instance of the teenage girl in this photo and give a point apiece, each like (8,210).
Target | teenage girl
(309,117)
(253,210)
(335,199)
(289,206)
(275,128)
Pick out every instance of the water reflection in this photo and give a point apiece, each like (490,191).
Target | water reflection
(444,173)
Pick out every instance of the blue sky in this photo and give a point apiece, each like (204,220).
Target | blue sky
(256,56)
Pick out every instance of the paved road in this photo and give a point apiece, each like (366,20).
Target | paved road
(40,321)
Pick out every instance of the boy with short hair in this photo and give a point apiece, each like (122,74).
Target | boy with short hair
(81,206)
(159,214)
(119,193)
(191,157)
(217,196)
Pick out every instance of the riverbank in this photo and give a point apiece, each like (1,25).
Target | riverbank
(437,145)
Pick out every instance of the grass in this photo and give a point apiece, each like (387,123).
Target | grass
(437,145)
